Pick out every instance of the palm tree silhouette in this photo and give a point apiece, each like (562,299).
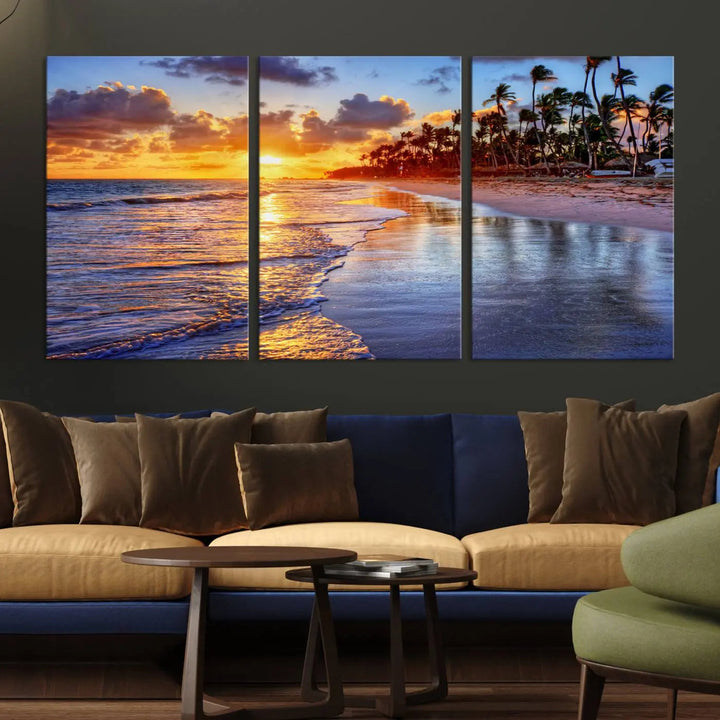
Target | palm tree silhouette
(624,77)
(503,94)
(540,73)
(655,108)
(594,62)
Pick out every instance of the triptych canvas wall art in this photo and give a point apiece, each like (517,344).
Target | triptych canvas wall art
(360,237)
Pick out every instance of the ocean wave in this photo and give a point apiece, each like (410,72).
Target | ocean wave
(197,264)
(148,200)
(118,348)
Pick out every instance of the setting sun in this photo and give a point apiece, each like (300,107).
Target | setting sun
(270,160)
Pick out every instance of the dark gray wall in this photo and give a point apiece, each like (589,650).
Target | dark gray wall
(318,27)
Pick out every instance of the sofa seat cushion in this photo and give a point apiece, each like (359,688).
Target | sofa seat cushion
(365,538)
(82,562)
(628,628)
(544,556)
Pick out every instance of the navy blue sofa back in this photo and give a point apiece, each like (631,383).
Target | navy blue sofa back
(403,467)
(491,480)
(458,474)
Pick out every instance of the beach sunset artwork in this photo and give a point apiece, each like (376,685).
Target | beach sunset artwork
(359,256)
(573,190)
(147,207)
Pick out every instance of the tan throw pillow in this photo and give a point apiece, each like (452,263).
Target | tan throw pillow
(297,483)
(619,466)
(6,499)
(41,466)
(544,436)
(697,439)
(189,481)
(108,467)
(298,426)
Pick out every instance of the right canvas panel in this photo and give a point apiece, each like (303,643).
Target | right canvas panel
(573,192)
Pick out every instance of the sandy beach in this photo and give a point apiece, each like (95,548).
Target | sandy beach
(639,202)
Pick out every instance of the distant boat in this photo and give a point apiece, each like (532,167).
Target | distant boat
(662,167)
(608,173)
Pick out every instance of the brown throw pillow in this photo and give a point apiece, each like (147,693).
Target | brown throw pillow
(297,483)
(41,466)
(108,467)
(189,479)
(301,426)
(544,435)
(619,466)
(697,439)
(298,426)
(6,499)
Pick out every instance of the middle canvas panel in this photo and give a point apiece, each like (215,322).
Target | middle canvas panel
(360,236)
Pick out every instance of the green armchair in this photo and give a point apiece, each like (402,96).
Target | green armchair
(664,629)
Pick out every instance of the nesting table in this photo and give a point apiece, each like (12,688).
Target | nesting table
(194,705)
(395,703)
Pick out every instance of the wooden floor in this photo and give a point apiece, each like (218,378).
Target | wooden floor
(477,701)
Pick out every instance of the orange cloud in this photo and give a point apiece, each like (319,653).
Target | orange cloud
(440,117)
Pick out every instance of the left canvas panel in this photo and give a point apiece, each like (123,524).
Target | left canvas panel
(147,253)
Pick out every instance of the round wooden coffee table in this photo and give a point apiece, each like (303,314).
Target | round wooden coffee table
(394,704)
(194,706)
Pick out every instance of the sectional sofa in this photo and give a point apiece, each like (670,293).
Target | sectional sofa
(451,487)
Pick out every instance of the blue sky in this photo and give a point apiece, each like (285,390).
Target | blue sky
(348,107)
(488,72)
(188,93)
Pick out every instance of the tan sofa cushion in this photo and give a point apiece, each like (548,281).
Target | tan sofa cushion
(82,562)
(365,538)
(544,556)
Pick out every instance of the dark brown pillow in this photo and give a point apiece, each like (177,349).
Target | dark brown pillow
(301,426)
(298,426)
(108,467)
(697,439)
(189,479)
(6,499)
(297,483)
(41,466)
(544,435)
(619,466)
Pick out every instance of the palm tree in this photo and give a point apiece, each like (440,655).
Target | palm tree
(669,119)
(624,77)
(586,133)
(525,116)
(486,130)
(540,73)
(503,94)
(418,145)
(577,99)
(456,121)
(655,108)
(594,62)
